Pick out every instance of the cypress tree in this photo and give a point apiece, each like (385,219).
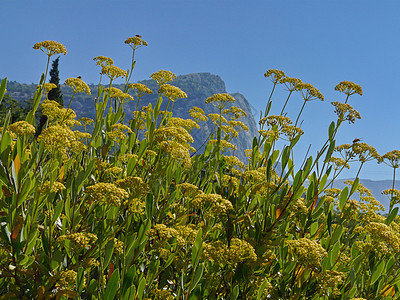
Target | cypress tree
(55,94)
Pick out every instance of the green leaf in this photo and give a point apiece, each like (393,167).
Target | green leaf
(354,186)
(197,248)
(235,292)
(261,289)
(331,130)
(112,286)
(3,86)
(80,278)
(196,277)
(108,253)
(130,293)
(57,212)
(330,151)
(378,271)
(140,289)
(334,253)
(392,216)
(343,197)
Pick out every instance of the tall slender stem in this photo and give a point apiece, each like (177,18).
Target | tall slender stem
(286,102)
(304,104)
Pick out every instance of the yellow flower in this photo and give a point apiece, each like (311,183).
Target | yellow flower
(172,92)
(118,246)
(47,87)
(51,47)
(349,88)
(220,100)
(82,240)
(198,114)
(275,75)
(136,41)
(307,252)
(113,72)
(122,96)
(291,83)
(185,123)
(55,187)
(346,112)
(162,77)
(78,85)
(140,88)
(106,193)
(103,61)
(311,93)
(22,128)
(86,120)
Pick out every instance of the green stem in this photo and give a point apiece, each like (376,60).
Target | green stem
(286,102)
(298,117)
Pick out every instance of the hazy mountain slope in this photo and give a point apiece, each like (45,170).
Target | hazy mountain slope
(198,87)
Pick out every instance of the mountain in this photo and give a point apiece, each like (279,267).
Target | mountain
(376,188)
(198,87)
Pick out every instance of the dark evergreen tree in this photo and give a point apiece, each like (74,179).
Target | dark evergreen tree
(55,94)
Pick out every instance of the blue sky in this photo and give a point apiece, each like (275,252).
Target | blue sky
(320,42)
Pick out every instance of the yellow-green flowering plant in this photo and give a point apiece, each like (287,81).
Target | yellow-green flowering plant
(135,212)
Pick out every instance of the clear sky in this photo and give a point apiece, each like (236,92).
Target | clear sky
(320,42)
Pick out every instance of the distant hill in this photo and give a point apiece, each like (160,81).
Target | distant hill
(376,188)
(198,87)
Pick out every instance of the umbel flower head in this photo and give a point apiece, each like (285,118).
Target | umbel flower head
(309,91)
(136,41)
(275,75)
(172,92)
(113,72)
(349,88)
(51,48)
(103,61)
(220,100)
(22,128)
(163,76)
(78,85)
(140,89)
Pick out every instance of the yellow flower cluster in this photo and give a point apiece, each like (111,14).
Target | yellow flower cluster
(349,88)
(393,195)
(51,47)
(393,158)
(346,112)
(306,251)
(140,89)
(198,114)
(178,134)
(21,128)
(117,131)
(135,206)
(239,251)
(82,135)
(311,93)
(67,279)
(233,161)
(136,41)
(189,190)
(383,239)
(158,294)
(330,279)
(90,263)
(338,163)
(217,204)
(239,125)
(275,75)
(60,138)
(118,246)
(48,87)
(178,152)
(55,187)
(122,96)
(135,185)
(163,76)
(78,85)
(365,152)
(224,144)
(114,171)
(113,72)
(103,61)
(161,234)
(229,131)
(188,124)
(216,118)
(172,92)
(82,240)
(106,193)
(291,83)
(220,100)
(112,90)
(237,113)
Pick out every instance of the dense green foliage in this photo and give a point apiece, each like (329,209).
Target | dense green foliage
(126,212)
